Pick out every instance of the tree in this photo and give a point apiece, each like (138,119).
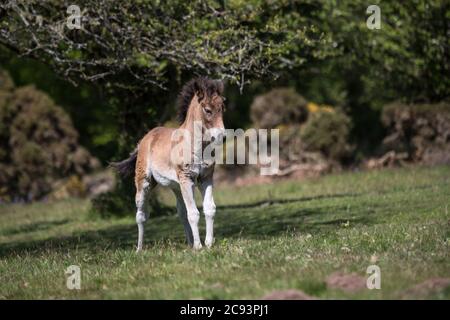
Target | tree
(136,43)
(323,48)
(148,42)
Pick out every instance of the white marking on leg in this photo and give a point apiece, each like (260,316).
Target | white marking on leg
(141,216)
(209,209)
(187,190)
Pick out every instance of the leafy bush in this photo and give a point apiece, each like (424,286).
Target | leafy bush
(422,131)
(278,106)
(327,130)
(38,144)
(120,202)
(308,131)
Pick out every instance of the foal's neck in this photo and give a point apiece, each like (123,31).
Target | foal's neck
(193,114)
(193,118)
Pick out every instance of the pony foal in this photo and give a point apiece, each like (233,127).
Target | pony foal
(155,162)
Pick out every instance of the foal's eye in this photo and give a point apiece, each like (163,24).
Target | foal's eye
(208,111)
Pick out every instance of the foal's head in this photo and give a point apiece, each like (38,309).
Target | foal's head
(202,99)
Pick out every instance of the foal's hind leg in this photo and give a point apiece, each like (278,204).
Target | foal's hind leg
(141,214)
(182,212)
(143,188)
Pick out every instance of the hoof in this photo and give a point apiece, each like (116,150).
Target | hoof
(209,243)
(197,246)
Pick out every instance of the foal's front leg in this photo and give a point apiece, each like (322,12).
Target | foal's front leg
(182,212)
(209,208)
(193,215)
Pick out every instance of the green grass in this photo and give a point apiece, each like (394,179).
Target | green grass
(286,235)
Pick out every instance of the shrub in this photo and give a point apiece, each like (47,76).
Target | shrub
(327,130)
(278,106)
(38,144)
(309,133)
(120,202)
(422,131)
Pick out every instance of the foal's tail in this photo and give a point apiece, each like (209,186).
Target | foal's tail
(127,166)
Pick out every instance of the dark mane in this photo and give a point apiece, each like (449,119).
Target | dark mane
(202,85)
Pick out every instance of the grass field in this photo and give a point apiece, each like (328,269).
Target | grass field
(286,235)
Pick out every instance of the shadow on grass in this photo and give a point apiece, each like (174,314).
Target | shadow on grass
(32,227)
(259,220)
(283,201)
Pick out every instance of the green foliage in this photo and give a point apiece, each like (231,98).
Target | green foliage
(327,131)
(38,143)
(278,106)
(322,48)
(405,59)
(140,42)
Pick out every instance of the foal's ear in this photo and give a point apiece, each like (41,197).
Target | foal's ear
(198,89)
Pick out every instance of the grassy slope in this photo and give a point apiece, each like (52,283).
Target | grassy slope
(279,236)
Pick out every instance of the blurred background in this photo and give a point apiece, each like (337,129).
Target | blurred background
(345,97)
